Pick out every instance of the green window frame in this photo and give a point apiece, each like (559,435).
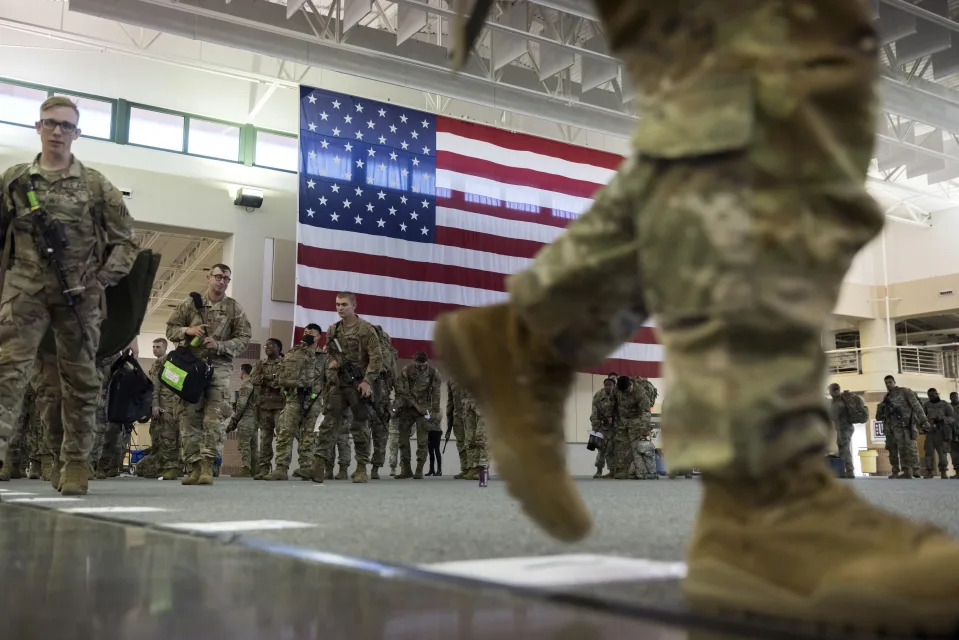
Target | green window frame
(51,91)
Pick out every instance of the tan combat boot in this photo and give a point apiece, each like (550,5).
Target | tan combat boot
(375,473)
(801,545)
(406,472)
(194,477)
(281,473)
(74,478)
(244,472)
(343,473)
(359,476)
(907,474)
(262,472)
(318,470)
(206,472)
(55,472)
(170,474)
(472,474)
(419,471)
(521,389)
(303,473)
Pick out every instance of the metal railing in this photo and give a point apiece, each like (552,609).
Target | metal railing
(938,360)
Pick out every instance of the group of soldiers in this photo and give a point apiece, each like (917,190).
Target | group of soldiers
(622,428)
(904,418)
(282,398)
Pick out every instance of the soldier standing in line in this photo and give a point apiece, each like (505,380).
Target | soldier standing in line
(46,380)
(939,434)
(418,401)
(459,407)
(843,408)
(35,442)
(55,195)
(355,361)
(244,421)
(633,430)
(17,452)
(954,403)
(303,379)
(164,423)
(221,332)
(902,416)
(340,452)
(269,403)
(601,421)
(380,415)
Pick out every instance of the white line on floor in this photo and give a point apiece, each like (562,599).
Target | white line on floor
(238,525)
(46,500)
(7,494)
(548,571)
(112,509)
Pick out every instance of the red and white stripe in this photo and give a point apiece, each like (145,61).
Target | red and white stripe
(486,180)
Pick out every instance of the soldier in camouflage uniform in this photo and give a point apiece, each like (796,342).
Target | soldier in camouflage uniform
(733,224)
(839,411)
(303,379)
(340,450)
(164,425)
(601,421)
(633,430)
(46,380)
(394,442)
(100,251)
(954,403)
(902,417)
(352,346)
(380,415)
(35,441)
(18,452)
(269,403)
(244,421)
(222,332)
(106,435)
(418,403)
(461,409)
(942,421)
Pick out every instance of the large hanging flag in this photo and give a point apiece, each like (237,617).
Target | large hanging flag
(420,214)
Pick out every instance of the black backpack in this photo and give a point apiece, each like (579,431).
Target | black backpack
(130,392)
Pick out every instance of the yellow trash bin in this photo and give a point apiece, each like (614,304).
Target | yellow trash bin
(868,458)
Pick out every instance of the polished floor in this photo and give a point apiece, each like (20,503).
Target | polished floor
(432,559)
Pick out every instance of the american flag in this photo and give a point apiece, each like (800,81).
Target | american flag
(420,214)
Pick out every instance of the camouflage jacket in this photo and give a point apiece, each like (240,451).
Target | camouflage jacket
(458,401)
(99,230)
(265,377)
(940,414)
(633,404)
(901,408)
(228,325)
(245,402)
(163,397)
(422,387)
(601,417)
(360,344)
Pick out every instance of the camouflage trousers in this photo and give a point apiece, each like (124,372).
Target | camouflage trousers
(164,437)
(28,309)
(341,450)
(406,421)
(903,451)
(15,462)
(292,425)
(338,400)
(477,453)
(936,444)
(462,446)
(379,433)
(604,449)
(844,444)
(46,380)
(246,440)
(734,233)
(394,442)
(203,425)
(267,424)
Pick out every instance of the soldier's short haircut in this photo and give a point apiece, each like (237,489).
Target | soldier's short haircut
(222,267)
(314,327)
(420,356)
(609,380)
(277,342)
(612,374)
(834,385)
(347,295)
(59,101)
(933,390)
(889,378)
(163,340)
(246,368)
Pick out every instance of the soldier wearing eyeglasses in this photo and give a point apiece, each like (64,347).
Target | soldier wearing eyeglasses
(95,248)
(217,330)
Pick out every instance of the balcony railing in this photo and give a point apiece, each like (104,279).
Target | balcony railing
(939,360)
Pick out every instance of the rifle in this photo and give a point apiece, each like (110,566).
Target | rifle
(51,240)
(449,430)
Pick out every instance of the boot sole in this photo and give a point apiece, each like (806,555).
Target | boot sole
(716,588)
(554,505)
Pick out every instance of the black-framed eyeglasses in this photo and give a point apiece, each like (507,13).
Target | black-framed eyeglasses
(219,277)
(50,124)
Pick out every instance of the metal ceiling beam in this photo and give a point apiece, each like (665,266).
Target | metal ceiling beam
(186,262)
